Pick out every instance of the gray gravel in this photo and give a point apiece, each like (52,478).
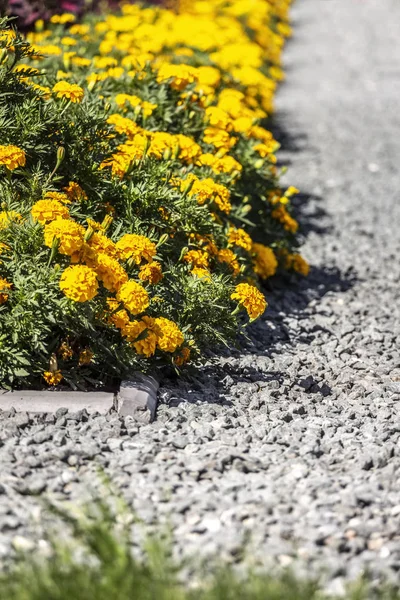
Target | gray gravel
(287,451)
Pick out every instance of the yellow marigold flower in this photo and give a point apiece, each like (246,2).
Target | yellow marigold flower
(208,76)
(265,263)
(124,125)
(71,91)
(75,193)
(291,191)
(227,164)
(102,244)
(85,357)
(59,196)
(65,351)
(147,331)
(281,214)
(251,299)
(170,337)
(42,90)
(183,357)
(227,256)
(104,62)
(134,101)
(136,247)
(22,68)
(197,258)
(4,286)
(110,272)
(122,99)
(119,318)
(243,125)
(224,164)
(134,297)
(148,108)
(265,150)
(207,189)
(115,72)
(132,329)
(180,76)
(63,19)
(79,283)
(3,247)
(81,61)
(260,133)
(69,234)
(299,264)
(12,157)
(151,272)
(68,41)
(45,211)
(221,198)
(52,377)
(8,217)
(47,49)
(160,142)
(276,73)
(189,150)
(218,138)
(79,29)
(217,117)
(238,237)
(201,273)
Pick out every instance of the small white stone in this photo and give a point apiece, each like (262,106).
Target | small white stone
(22,544)
(285,560)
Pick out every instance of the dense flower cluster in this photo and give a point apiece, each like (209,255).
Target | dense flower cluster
(142,204)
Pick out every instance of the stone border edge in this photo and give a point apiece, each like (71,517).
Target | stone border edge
(137,397)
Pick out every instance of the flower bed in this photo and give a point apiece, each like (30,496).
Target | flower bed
(141,204)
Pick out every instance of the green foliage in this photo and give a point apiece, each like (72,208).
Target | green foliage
(147,193)
(97,563)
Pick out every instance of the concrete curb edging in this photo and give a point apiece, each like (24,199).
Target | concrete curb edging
(137,398)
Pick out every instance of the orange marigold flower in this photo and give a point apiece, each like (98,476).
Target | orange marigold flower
(69,234)
(86,357)
(151,272)
(170,337)
(45,211)
(251,299)
(119,318)
(12,157)
(70,91)
(75,193)
(265,262)
(65,351)
(197,258)
(79,283)
(183,357)
(238,237)
(227,256)
(52,377)
(4,286)
(134,297)
(136,247)
(110,272)
(281,214)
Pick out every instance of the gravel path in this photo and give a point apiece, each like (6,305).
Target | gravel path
(289,448)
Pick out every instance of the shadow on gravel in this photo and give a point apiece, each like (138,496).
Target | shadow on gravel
(291,300)
(308,210)
(210,384)
(289,141)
